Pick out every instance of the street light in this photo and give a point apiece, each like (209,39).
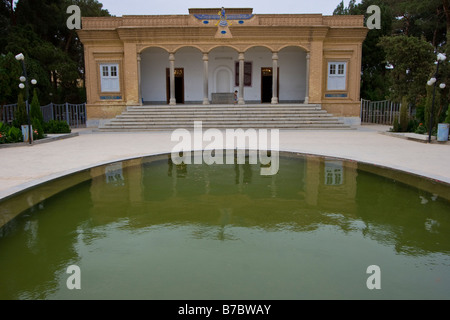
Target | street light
(23,85)
(433,81)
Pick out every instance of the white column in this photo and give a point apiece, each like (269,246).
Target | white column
(307,79)
(275,78)
(205,79)
(172,101)
(139,79)
(241,78)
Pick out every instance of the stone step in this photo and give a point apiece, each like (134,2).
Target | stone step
(143,118)
(224,123)
(231,107)
(239,117)
(250,112)
(171,128)
(227,112)
(219,109)
(228,124)
(221,118)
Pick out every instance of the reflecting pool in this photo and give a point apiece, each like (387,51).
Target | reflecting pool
(149,229)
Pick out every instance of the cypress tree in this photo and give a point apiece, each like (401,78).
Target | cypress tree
(20,115)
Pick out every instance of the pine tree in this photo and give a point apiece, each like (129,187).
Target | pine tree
(428,105)
(37,119)
(404,115)
(20,115)
(35,109)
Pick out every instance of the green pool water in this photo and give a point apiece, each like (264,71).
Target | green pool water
(149,229)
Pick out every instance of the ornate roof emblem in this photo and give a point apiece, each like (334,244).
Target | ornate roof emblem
(223,22)
(223,17)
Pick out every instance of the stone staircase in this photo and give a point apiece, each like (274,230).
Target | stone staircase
(282,116)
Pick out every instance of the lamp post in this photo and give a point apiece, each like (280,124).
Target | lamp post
(433,82)
(24,85)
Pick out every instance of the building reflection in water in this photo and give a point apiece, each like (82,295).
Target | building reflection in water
(302,186)
(306,194)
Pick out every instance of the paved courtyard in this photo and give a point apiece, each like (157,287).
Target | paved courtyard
(25,166)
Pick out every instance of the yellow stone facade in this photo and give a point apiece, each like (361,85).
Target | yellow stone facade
(121,40)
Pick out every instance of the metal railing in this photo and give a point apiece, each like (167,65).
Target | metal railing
(7,112)
(380,112)
(73,114)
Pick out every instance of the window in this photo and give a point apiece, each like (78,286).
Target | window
(110,77)
(337,76)
(247,74)
(332,69)
(113,71)
(334,173)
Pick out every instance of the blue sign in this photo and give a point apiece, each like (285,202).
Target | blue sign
(340,95)
(110,97)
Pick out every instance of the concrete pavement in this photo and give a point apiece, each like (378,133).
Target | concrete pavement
(25,166)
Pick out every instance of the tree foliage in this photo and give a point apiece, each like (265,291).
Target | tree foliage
(373,80)
(20,117)
(412,32)
(10,71)
(412,59)
(54,54)
(404,114)
(428,105)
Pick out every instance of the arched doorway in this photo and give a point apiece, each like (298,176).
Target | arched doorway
(154,63)
(188,75)
(259,89)
(221,70)
(292,76)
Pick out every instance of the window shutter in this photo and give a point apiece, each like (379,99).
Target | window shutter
(110,81)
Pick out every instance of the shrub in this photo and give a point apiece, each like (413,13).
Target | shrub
(421,129)
(10,134)
(420,113)
(447,119)
(38,130)
(413,124)
(15,135)
(55,126)
(396,127)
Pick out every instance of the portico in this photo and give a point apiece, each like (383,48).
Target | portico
(187,59)
(253,73)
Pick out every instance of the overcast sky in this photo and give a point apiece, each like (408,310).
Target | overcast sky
(149,7)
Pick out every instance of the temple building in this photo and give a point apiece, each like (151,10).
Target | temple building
(209,55)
